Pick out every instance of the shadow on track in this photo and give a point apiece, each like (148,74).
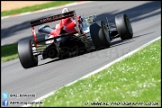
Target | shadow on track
(142,35)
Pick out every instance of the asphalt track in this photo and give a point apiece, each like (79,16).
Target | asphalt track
(50,75)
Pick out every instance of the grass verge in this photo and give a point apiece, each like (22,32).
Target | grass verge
(8,52)
(35,7)
(134,80)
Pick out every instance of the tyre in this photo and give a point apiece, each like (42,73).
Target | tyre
(123,26)
(100,35)
(25,54)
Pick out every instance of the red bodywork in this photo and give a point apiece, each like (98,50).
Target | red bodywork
(67,24)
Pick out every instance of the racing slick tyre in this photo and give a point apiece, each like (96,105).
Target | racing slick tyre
(25,54)
(100,35)
(123,26)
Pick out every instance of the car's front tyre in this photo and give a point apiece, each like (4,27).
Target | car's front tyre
(100,35)
(123,26)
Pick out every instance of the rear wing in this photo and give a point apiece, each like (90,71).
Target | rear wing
(51,19)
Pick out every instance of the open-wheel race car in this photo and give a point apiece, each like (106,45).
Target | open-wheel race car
(74,35)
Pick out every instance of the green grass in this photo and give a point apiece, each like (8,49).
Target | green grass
(134,79)
(8,52)
(35,7)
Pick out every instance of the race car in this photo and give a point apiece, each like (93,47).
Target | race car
(73,35)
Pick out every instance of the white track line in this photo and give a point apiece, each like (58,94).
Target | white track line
(96,71)
(43,10)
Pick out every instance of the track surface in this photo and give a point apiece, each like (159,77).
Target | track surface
(53,74)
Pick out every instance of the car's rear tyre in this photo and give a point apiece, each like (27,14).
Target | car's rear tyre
(123,26)
(100,35)
(25,54)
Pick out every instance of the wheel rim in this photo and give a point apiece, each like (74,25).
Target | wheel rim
(34,56)
(106,33)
